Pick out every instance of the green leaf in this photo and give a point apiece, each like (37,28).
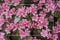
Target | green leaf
(39,30)
(29,17)
(57,14)
(18,6)
(59,20)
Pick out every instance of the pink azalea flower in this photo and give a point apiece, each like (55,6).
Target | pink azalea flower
(50,6)
(34,25)
(35,18)
(42,13)
(56,28)
(44,33)
(9,28)
(39,26)
(16,2)
(1,10)
(58,3)
(10,13)
(58,36)
(2,36)
(42,1)
(58,24)
(5,6)
(1,21)
(56,31)
(51,18)
(43,21)
(25,23)
(7,1)
(33,38)
(49,35)
(32,9)
(15,26)
(24,34)
(21,12)
(55,37)
(39,6)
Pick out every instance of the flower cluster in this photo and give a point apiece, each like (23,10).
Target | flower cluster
(2,36)
(31,20)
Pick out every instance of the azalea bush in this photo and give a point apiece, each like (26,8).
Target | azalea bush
(29,19)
